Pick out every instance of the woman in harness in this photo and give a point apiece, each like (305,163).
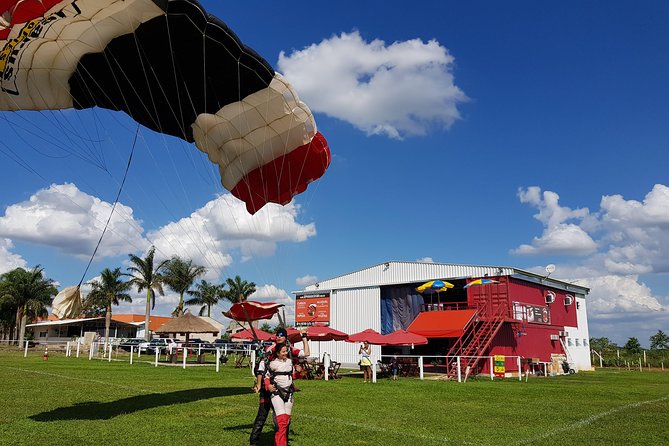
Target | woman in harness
(279,381)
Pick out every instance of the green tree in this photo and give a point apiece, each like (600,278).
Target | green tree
(179,276)
(659,341)
(633,346)
(602,344)
(206,294)
(147,276)
(109,290)
(239,290)
(27,294)
(266,327)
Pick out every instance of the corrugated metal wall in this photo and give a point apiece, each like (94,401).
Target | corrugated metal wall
(351,311)
(407,272)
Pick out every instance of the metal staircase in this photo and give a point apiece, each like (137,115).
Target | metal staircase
(476,338)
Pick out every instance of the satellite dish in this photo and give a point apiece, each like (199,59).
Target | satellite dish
(550,268)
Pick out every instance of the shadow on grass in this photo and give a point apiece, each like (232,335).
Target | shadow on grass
(94,410)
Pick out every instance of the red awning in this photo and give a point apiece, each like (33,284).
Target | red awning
(441,324)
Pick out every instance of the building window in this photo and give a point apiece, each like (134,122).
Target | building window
(569,342)
(42,334)
(578,305)
(578,342)
(585,342)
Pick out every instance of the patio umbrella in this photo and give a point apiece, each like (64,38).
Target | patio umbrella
(403,337)
(321,332)
(479,282)
(434,286)
(250,310)
(369,335)
(247,335)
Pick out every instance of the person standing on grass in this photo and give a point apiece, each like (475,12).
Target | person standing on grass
(279,381)
(365,352)
(394,367)
(265,403)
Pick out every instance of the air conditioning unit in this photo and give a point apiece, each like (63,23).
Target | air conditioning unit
(550,297)
(564,334)
(568,299)
(555,338)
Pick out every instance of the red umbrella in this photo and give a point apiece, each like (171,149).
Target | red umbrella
(247,334)
(321,332)
(403,337)
(250,310)
(369,335)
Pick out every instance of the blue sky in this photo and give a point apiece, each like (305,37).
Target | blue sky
(516,134)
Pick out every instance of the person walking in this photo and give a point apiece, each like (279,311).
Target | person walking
(265,403)
(279,381)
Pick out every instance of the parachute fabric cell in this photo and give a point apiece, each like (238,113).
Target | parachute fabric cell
(174,69)
(67,304)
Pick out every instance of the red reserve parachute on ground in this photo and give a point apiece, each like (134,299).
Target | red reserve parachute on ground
(174,69)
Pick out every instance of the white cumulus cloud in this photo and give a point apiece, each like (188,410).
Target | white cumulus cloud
(8,259)
(306,280)
(398,89)
(63,217)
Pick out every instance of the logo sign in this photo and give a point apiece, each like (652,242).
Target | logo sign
(537,314)
(499,366)
(312,309)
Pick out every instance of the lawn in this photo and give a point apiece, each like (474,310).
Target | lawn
(70,401)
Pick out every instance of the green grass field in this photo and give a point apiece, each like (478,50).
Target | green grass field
(69,401)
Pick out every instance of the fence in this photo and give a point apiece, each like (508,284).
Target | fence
(240,356)
(646,359)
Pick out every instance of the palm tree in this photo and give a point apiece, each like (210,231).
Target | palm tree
(239,290)
(207,295)
(28,293)
(179,276)
(146,276)
(109,290)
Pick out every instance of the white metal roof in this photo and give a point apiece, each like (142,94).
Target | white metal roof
(399,272)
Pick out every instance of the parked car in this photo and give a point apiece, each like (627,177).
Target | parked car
(162,344)
(197,343)
(126,344)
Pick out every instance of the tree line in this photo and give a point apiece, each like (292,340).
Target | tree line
(614,355)
(25,295)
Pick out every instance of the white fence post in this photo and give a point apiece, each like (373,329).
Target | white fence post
(78,347)
(25,351)
(155,362)
(420,367)
(218,359)
(520,375)
(184,357)
(110,351)
(326,367)
(492,369)
(373,359)
(459,371)
(132,351)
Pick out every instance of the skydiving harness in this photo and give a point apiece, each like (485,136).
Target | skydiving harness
(284,392)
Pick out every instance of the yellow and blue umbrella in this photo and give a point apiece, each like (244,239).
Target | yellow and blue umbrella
(479,282)
(434,286)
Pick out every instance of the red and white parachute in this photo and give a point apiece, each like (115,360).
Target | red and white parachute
(174,69)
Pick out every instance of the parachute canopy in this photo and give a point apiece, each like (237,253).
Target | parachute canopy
(174,69)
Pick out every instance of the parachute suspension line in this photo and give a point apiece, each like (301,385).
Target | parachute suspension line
(111,214)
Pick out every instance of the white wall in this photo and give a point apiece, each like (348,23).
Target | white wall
(351,311)
(578,341)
